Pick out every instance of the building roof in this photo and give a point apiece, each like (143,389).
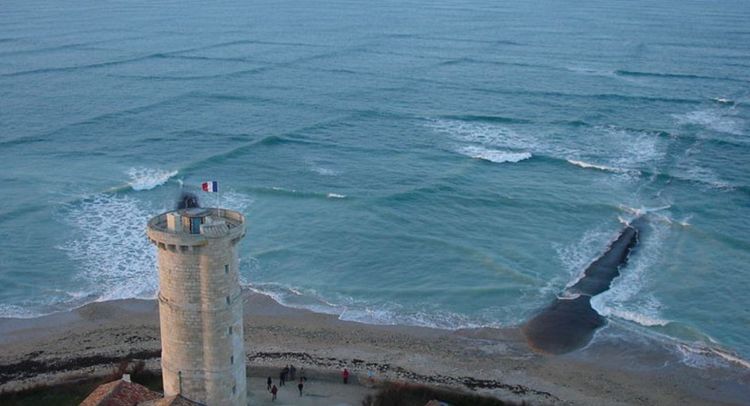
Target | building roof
(176,400)
(119,393)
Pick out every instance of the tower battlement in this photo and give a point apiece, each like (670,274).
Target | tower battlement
(187,228)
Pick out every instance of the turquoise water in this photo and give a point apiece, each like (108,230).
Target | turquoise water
(450,164)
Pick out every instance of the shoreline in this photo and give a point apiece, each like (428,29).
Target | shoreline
(618,367)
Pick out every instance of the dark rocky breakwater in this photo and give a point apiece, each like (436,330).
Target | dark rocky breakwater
(569,322)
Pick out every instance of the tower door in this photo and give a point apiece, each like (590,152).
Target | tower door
(195,225)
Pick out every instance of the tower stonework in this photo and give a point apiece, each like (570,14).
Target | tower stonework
(200,304)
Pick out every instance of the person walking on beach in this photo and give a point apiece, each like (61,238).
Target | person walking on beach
(274,390)
(282,378)
(345,375)
(292,372)
(269,382)
(300,385)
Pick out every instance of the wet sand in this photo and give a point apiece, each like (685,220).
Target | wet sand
(613,370)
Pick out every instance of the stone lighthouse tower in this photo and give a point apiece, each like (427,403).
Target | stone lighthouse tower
(200,304)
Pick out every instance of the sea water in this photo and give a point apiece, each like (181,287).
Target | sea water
(437,163)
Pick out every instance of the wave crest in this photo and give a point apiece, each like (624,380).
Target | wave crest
(148,178)
(700,356)
(494,155)
(604,168)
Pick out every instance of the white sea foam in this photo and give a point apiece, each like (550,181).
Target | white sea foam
(577,256)
(629,150)
(732,358)
(639,211)
(700,356)
(335,196)
(350,309)
(230,200)
(568,296)
(723,100)
(398,316)
(114,256)
(295,297)
(53,300)
(484,134)
(691,168)
(324,171)
(642,319)
(604,168)
(484,140)
(236,201)
(494,155)
(719,120)
(666,219)
(620,151)
(21,312)
(323,167)
(148,178)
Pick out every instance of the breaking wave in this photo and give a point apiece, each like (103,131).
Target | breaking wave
(494,155)
(491,135)
(623,151)
(587,165)
(636,317)
(700,356)
(384,316)
(148,178)
(292,297)
(577,256)
(629,297)
(350,309)
(114,256)
(713,119)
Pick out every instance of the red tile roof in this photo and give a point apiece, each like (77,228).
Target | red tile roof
(119,393)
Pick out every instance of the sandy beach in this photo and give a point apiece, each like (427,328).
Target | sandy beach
(90,340)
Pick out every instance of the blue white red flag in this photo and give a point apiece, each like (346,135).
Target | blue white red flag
(210,186)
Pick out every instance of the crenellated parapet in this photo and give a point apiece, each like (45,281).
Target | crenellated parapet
(187,230)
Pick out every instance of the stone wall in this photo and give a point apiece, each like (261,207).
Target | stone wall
(200,307)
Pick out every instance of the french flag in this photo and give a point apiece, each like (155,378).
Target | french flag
(210,186)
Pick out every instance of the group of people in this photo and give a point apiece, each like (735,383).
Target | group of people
(287,374)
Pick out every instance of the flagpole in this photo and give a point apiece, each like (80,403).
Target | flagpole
(218,198)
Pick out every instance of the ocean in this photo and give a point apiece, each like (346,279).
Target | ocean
(434,163)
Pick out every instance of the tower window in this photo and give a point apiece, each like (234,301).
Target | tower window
(231,360)
(226,269)
(227,299)
(234,389)
(229,330)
